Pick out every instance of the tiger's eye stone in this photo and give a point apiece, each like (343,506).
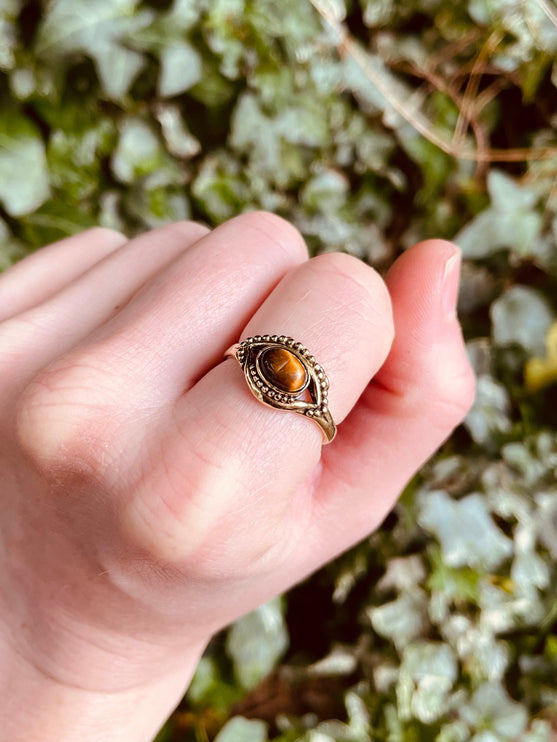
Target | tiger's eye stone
(283,369)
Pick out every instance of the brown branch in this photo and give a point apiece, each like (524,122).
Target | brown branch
(346,45)
(472,87)
(472,121)
(491,92)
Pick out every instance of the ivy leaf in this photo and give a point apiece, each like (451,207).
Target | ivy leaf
(490,709)
(510,222)
(54,221)
(180,69)
(401,620)
(256,642)
(8,36)
(99,29)
(427,674)
(540,731)
(224,29)
(378,13)
(265,138)
(547,521)
(326,191)
(179,141)
(10,249)
(181,64)
(10,8)
(239,729)
(220,187)
(465,530)
(541,372)
(24,183)
(489,416)
(521,316)
(139,152)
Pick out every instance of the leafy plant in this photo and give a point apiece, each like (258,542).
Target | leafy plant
(370,125)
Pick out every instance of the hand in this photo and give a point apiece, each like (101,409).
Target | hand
(148,499)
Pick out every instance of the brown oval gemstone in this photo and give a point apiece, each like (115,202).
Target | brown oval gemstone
(283,369)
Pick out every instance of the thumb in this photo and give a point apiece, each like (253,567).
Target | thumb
(420,394)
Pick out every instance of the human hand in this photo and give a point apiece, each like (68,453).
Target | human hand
(148,499)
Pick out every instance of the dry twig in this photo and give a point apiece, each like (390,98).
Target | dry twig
(348,46)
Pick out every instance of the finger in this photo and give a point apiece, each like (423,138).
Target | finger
(46,331)
(108,392)
(41,275)
(180,323)
(421,393)
(229,465)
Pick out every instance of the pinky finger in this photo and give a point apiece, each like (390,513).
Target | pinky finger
(43,274)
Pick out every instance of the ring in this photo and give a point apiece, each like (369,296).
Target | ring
(282,373)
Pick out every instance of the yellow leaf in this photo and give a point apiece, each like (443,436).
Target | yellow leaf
(542,372)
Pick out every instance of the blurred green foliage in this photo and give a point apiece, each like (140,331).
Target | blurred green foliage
(370,125)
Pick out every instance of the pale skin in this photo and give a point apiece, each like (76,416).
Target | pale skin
(147,498)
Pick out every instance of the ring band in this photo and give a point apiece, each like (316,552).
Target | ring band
(282,373)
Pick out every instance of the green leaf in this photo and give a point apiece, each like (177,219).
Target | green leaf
(256,642)
(8,32)
(510,222)
(378,13)
(10,249)
(427,674)
(24,183)
(546,522)
(210,689)
(540,731)
(74,157)
(154,206)
(140,152)
(243,730)
(55,220)
(491,709)
(456,584)
(205,677)
(465,530)
(489,416)
(179,141)
(402,620)
(220,187)
(325,191)
(10,8)
(100,29)
(180,69)
(522,316)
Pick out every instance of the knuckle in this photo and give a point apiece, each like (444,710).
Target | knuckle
(61,421)
(275,230)
(360,284)
(17,335)
(361,277)
(186,230)
(197,513)
(173,517)
(455,396)
(107,235)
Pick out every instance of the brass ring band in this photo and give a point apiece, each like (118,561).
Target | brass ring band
(282,373)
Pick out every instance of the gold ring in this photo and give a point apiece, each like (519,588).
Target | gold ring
(282,373)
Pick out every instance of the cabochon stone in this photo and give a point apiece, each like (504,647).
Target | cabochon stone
(283,369)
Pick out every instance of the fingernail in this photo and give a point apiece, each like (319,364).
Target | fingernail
(450,284)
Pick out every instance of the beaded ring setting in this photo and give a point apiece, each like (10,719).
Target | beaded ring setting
(282,373)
